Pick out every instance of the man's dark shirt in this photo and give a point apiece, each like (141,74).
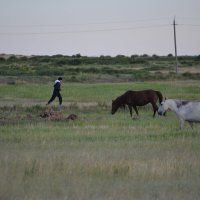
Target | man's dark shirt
(57,85)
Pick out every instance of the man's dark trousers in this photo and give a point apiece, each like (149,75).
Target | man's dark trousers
(56,93)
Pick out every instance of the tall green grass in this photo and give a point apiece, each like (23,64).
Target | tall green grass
(99,156)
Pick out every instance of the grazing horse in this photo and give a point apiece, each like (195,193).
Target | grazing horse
(185,110)
(137,98)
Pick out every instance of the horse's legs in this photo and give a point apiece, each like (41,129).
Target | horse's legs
(191,124)
(136,110)
(130,109)
(181,123)
(124,106)
(155,108)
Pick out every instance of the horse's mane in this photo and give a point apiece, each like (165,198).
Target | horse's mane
(180,103)
(119,100)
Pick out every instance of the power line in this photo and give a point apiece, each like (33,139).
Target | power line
(87,30)
(82,24)
(189,18)
(194,25)
(82,31)
(98,23)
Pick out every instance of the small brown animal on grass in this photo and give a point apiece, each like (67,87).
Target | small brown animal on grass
(50,114)
(72,117)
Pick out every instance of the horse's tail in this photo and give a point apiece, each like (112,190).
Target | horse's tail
(160,96)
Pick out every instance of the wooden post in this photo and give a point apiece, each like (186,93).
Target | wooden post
(175,45)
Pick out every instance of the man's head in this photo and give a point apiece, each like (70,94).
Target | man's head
(60,78)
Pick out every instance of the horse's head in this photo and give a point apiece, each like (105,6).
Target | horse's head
(163,108)
(115,107)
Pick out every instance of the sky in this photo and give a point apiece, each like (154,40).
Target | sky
(99,27)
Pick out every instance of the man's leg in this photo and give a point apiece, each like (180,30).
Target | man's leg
(60,98)
(52,98)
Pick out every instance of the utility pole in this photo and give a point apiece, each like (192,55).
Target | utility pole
(174,24)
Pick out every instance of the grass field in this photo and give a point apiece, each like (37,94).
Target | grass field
(99,156)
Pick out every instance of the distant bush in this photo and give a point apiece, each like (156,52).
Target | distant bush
(189,75)
(49,71)
(60,62)
(72,66)
(16,69)
(74,61)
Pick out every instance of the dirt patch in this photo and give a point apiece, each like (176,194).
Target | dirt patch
(52,115)
(192,70)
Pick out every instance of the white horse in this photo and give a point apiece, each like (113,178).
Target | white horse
(185,110)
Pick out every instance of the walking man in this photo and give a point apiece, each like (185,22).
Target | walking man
(56,91)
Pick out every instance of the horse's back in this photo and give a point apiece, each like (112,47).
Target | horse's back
(190,111)
(139,98)
(142,97)
(151,95)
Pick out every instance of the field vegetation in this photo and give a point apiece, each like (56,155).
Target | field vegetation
(79,68)
(99,155)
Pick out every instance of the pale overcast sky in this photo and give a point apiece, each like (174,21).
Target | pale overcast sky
(99,27)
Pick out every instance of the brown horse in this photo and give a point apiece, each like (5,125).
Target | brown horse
(137,98)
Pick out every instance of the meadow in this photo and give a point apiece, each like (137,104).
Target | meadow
(98,156)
